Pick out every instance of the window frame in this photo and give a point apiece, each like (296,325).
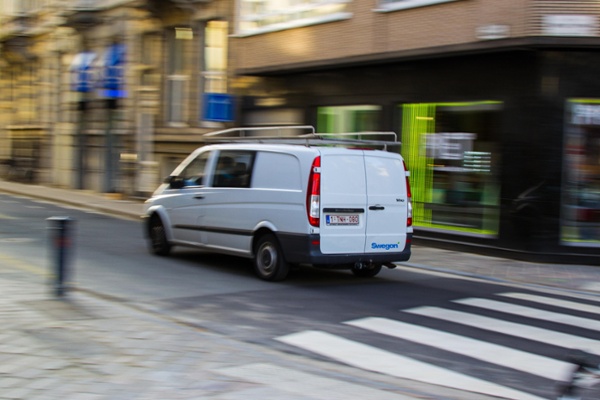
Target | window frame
(397,5)
(291,22)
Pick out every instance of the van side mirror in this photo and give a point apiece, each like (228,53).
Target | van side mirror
(175,182)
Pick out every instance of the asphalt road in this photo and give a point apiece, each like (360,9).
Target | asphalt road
(375,324)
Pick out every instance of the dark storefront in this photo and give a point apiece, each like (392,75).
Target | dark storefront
(503,148)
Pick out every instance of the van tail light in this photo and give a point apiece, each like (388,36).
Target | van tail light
(409,195)
(313,194)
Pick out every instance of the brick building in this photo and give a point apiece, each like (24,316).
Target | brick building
(495,103)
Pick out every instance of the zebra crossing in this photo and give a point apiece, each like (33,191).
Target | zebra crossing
(529,323)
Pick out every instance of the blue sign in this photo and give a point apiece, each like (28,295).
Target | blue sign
(82,73)
(113,74)
(218,107)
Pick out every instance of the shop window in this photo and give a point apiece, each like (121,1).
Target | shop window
(348,119)
(451,152)
(260,16)
(580,216)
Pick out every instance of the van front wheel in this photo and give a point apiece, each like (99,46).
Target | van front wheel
(159,244)
(269,263)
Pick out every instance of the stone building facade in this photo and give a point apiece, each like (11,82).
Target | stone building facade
(109,95)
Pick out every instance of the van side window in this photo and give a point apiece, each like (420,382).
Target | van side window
(194,172)
(277,171)
(233,169)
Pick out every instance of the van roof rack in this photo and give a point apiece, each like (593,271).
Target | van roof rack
(285,135)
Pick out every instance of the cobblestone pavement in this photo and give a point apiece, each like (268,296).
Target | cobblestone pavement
(86,347)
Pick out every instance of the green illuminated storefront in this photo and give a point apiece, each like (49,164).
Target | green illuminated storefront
(453,164)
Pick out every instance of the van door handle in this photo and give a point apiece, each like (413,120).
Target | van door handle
(200,197)
(377,208)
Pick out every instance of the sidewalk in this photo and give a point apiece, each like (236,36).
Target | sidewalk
(84,347)
(87,347)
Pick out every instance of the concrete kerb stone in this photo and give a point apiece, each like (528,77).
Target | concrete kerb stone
(81,199)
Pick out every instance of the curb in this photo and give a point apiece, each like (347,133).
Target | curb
(499,280)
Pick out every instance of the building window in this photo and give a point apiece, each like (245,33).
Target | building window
(580,216)
(348,119)
(178,74)
(217,105)
(150,59)
(214,73)
(450,151)
(17,7)
(260,16)
(393,5)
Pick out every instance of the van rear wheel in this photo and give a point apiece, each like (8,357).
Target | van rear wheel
(269,263)
(366,271)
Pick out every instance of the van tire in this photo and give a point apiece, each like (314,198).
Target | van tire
(367,272)
(269,263)
(159,244)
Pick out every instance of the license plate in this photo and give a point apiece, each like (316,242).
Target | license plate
(341,219)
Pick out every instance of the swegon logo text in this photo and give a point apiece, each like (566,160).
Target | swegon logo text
(386,246)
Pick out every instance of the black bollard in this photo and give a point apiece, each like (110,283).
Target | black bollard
(60,239)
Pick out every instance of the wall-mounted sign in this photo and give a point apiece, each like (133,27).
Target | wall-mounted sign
(113,84)
(82,72)
(217,107)
(585,114)
(570,25)
(491,32)
(449,145)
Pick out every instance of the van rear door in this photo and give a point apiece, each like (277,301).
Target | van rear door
(364,202)
(343,201)
(387,203)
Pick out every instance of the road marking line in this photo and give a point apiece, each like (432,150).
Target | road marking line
(534,364)
(531,313)
(554,302)
(373,359)
(309,385)
(21,265)
(509,328)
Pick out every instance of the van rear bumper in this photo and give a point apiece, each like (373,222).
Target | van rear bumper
(305,249)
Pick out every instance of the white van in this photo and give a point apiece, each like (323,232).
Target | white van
(288,202)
